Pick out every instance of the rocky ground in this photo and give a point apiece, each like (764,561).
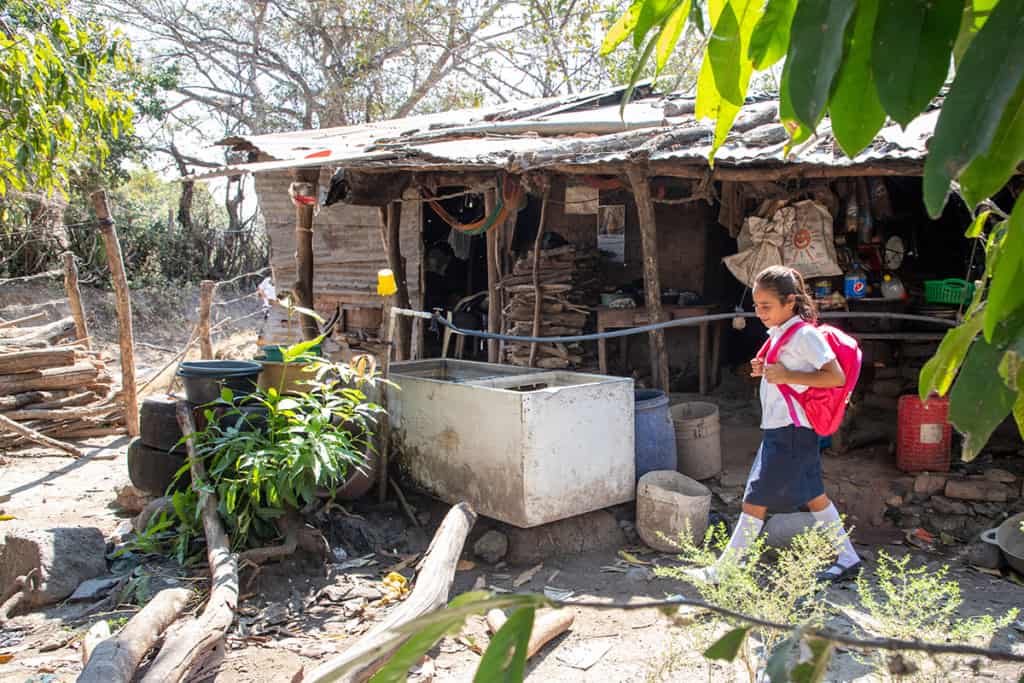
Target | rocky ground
(295,614)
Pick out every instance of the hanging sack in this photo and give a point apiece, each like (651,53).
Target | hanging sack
(824,408)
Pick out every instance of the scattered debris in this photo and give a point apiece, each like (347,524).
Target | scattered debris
(132,500)
(94,589)
(358,562)
(527,576)
(585,654)
(491,547)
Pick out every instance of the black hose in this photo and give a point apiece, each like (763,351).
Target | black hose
(679,322)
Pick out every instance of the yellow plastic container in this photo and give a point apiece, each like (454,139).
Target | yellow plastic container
(386,285)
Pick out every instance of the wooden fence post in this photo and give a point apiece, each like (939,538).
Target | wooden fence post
(304,195)
(206,289)
(493,303)
(75,298)
(123,300)
(652,280)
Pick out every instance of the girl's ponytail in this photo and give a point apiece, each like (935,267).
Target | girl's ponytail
(785,281)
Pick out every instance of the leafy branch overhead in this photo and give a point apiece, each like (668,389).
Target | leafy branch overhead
(863,62)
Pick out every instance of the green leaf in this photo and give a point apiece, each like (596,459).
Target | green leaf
(975,15)
(770,39)
(814,670)
(989,75)
(634,77)
(856,112)
(1004,293)
(938,373)
(912,43)
(798,132)
(979,400)
(977,226)
(1018,413)
(669,36)
(505,658)
(652,13)
(621,29)
(993,168)
(728,646)
(775,669)
(296,351)
(815,51)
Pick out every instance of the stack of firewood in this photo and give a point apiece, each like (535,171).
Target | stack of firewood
(54,386)
(568,280)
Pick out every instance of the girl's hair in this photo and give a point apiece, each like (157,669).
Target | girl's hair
(785,281)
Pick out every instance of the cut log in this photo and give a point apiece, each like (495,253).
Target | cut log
(79,399)
(29,398)
(181,651)
(75,298)
(58,413)
(115,659)
(41,439)
(433,583)
(27,361)
(50,334)
(547,624)
(206,291)
(69,377)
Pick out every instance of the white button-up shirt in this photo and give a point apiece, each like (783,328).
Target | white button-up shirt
(806,351)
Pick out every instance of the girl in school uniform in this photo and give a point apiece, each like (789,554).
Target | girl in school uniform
(786,473)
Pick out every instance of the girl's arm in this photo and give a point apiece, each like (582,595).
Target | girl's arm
(830,375)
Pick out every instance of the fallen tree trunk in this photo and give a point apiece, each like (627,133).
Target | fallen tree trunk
(115,660)
(42,439)
(433,583)
(185,647)
(547,625)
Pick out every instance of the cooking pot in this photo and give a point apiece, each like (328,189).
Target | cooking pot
(1010,540)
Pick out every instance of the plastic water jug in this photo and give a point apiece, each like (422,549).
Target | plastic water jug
(892,287)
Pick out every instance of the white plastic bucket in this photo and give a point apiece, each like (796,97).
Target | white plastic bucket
(698,439)
(665,502)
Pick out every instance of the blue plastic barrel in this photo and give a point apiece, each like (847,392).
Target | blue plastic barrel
(655,434)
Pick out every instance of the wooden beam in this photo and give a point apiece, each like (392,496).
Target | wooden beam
(390,233)
(75,298)
(792,171)
(493,303)
(640,183)
(537,293)
(123,299)
(206,289)
(305,185)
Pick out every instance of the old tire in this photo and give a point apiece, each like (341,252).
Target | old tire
(158,424)
(152,470)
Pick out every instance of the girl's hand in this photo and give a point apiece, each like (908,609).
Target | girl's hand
(756,367)
(775,374)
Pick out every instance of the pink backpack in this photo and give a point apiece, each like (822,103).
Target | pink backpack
(824,408)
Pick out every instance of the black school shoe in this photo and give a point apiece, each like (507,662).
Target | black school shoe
(839,573)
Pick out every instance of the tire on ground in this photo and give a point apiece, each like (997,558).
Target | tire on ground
(152,470)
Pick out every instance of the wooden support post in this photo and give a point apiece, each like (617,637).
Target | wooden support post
(124,309)
(385,424)
(305,187)
(652,281)
(390,234)
(206,289)
(75,298)
(537,293)
(493,303)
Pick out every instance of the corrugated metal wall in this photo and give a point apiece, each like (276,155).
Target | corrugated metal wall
(347,248)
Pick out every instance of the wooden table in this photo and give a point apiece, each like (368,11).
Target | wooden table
(623,318)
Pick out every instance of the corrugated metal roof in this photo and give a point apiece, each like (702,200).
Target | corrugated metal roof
(577,131)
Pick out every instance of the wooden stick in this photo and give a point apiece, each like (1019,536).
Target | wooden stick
(206,290)
(65,413)
(200,635)
(36,359)
(493,303)
(116,659)
(433,583)
(33,435)
(546,625)
(305,186)
(50,333)
(385,425)
(123,300)
(391,231)
(16,401)
(652,280)
(538,297)
(75,298)
(68,377)
(17,321)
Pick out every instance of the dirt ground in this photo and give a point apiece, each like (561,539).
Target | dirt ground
(291,618)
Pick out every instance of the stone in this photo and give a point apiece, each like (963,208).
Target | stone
(491,547)
(951,524)
(985,555)
(986,509)
(1000,475)
(638,575)
(131,499)
(93,589)
(63,558)
(629,529)
(977,489)
(929,483)
(945,506)
(596,530)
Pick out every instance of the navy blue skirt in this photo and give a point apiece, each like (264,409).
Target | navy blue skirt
(787,470)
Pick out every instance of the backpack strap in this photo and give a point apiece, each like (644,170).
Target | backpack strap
(770,354)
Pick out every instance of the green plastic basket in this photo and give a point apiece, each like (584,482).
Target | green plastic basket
(949,291)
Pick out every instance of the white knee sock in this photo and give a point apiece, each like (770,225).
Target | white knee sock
(747,529)
(830,516)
